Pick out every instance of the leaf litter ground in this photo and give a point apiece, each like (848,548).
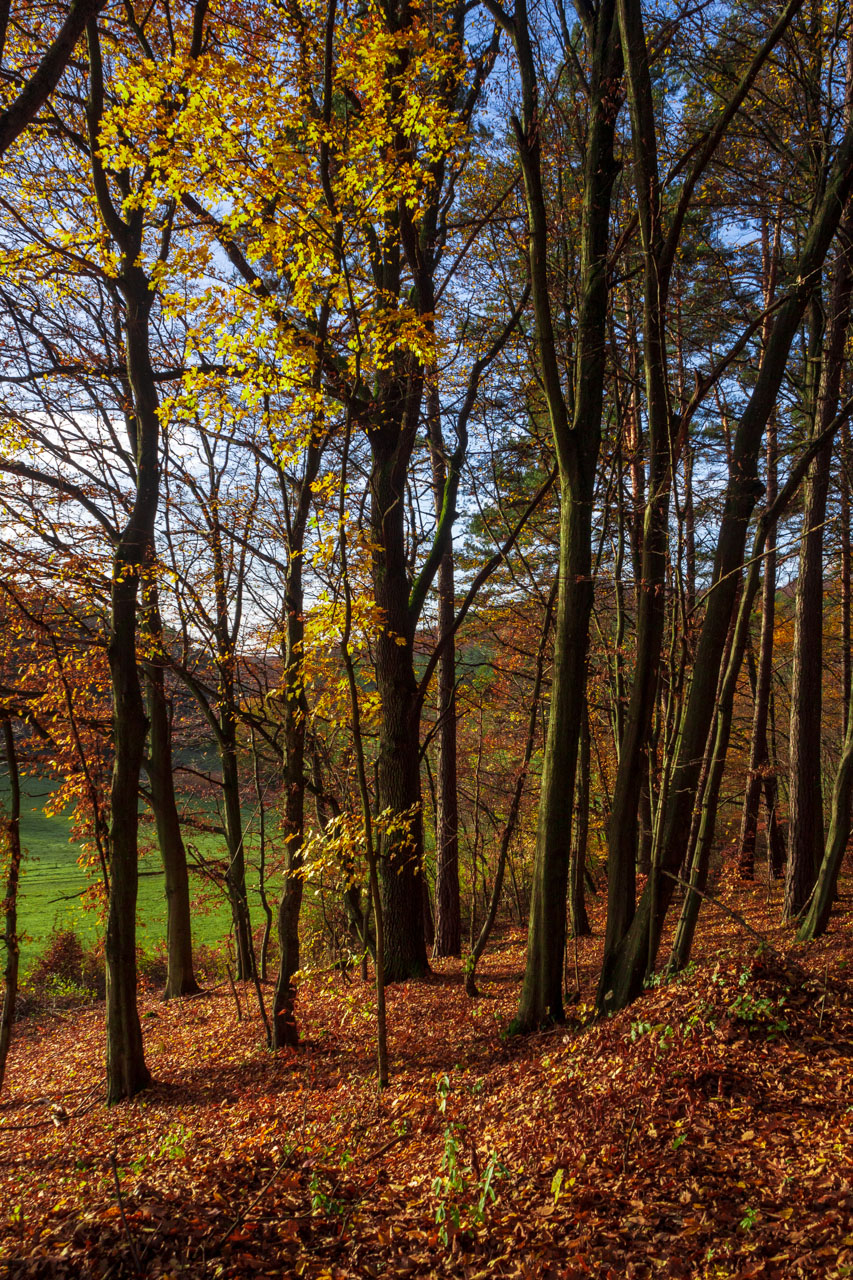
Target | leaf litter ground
(707,1131)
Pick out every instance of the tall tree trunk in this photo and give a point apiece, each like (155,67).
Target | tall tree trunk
(126,1069)
(295,710)
(759,757)
(542,993)
(817,915)
(400,834)
(515,805)
(180,978)
(622,833)
(846,638)
(260,795)
(12,850)
(448,915)
(577,441)
(759,777)
(577,901)
(625,968)
(805,829)
(235,875)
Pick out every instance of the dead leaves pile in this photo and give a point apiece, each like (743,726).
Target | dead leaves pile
(705,1132)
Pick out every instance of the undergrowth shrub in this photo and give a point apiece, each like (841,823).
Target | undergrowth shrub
(68,972)
(210,963)
(152,967)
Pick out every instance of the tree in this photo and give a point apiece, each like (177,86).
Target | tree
(576,427)
(36,87)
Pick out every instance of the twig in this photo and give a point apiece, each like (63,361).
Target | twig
(243,1215)
(735,915)
(234,994)
(126,1224)
(374,1155)
(823,997)
(629,1137)
(51,1124)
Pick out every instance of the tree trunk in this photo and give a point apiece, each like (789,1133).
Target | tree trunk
(235,876)
(126,1069)
(400,831)
(625,968)
(805,806)
(448,917)
(577,442)
(12,850)
(295,706)
(577,901)
(622,831)
(180,979)
(817,915)
(805,828)
(759,758)
(759,777)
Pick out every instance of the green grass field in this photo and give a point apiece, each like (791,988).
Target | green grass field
(52,879)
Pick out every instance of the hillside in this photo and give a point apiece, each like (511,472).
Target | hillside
(706,1131)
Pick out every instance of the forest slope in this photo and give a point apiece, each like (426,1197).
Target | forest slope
(707,1131)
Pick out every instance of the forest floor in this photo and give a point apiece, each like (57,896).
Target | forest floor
(705,1132)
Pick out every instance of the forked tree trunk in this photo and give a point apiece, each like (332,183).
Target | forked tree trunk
(577,441)
(625,968)
(759,777)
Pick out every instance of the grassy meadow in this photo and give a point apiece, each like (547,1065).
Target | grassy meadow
(52,880)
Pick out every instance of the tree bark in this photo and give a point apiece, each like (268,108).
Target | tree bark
(817,915)
(805,828)
(448,914)
(295,712)
(400,833)
(180,978)
(577,441)
(577,901)
(625,968)
(759,775)
(127,1073)
(12,843)
(515,805)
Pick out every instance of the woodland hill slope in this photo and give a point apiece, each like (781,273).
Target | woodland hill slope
(705,1132)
